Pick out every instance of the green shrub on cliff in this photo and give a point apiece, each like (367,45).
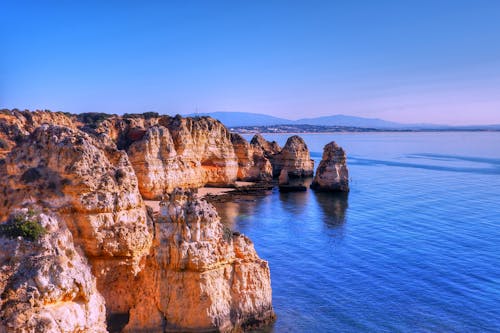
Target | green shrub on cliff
(24,224)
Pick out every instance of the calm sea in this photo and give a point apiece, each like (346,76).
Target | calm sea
(414,247)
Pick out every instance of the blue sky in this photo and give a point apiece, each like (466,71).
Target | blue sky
(409,61)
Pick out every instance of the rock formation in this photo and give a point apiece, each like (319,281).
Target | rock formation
(159,168)
(253,165)
(201,276)
(332,174)
(94,190)
(268,148)
(184,271)
(46,285)
(16,125)
(206,140)
(295,158)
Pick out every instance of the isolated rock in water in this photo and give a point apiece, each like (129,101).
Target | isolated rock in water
(268,148)
(46,285)
(94,190)
(252,163)
(158,167)
(295,158)
(332,174)
(201,276)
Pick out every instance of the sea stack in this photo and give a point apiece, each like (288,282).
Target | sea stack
(295,158)
(332,174)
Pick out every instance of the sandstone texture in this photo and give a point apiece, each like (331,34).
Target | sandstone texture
(46,284)
(268,148)
(105,252)
(201,276)
(295,158)
(332,174)
(253,165)
(94,190)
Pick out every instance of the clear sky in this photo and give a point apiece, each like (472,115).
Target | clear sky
(410,61)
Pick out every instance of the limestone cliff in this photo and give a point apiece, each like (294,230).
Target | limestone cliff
(253,165)
(159,168)
(46,285)
(268,148)
(183,271)
(295,158)
(332,173)
(200,275)
(16,125)
(94,190)
(208,141)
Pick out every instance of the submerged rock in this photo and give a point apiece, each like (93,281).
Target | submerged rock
(332,173)
(46,285)
(201,276)
(295,158)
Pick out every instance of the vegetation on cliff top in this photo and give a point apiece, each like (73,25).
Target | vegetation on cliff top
(24,224)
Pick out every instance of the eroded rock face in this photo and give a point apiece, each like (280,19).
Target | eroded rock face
(295,158)
(253,165)
(95,192)
(16,125)
(159,168)
(46,285)
(200,276)
(332,173)
(207,141)
(269,148)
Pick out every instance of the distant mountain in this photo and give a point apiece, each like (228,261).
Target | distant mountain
(343,120)
(246,119)
(235,119)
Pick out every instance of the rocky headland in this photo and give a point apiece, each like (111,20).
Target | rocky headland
(103,252)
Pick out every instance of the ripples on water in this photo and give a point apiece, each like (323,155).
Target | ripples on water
(414,247)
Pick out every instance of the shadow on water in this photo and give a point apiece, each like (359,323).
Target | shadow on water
(237,210)
(333,206)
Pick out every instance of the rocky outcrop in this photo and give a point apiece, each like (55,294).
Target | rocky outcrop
(268,148)
(332,173)
(159,168)
(95,192)
(183,152)
(184,271)
(253,165)
(207,141)
(46,285)
(201,276)
(16,125)
(295,158)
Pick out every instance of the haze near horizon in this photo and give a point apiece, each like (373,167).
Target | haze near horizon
(411,62)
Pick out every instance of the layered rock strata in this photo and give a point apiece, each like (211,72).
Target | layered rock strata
(184,272)
(200,276)
(95,192)
(332,174)
(46,285)
(253,165)
(295,158)
(268,148)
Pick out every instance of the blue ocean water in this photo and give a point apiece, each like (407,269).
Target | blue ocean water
(414,247)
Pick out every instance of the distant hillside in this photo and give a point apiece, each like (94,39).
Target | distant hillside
(235,119)
(351,121)
(246,120)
